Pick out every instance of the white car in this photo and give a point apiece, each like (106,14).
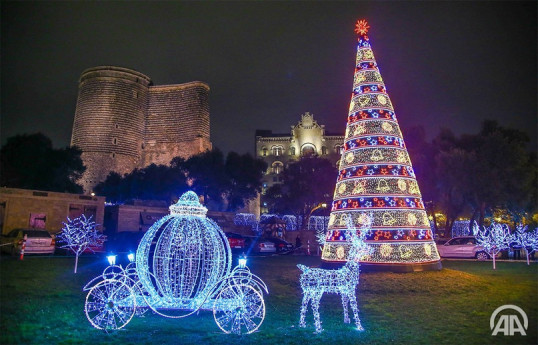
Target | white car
(265,246)
(463,247)
(37,242)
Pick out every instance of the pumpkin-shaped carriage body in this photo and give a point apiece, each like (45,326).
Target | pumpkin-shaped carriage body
(183,264)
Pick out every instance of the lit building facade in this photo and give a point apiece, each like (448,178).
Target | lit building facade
(307,138)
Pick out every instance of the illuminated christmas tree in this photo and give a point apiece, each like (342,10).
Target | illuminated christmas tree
(376,178)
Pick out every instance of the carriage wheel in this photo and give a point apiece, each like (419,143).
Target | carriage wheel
(239,308)
(110,305)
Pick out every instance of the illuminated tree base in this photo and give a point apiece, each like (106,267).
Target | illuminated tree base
(385,253)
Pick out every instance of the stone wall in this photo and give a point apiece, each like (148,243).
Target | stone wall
(23,208)
(122,122)
(109,121)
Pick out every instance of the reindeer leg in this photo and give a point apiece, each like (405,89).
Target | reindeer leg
(304,307)
(315,308)
(353,302)
(345,301)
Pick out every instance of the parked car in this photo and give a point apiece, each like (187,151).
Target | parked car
(263,245)
(236,241)
(463,247)
(281,245)
(37,242)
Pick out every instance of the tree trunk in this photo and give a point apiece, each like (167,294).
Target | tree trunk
(527,252)
(435,222)
(482,214)
(494,260)
(475,213)
(448,226)
(76,261)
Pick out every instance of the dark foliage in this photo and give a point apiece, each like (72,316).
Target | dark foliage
(30,162)
(225,185)
(305,184)
(475,174)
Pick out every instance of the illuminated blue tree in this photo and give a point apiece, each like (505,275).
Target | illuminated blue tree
(494,239)
(376,176)
(80,234)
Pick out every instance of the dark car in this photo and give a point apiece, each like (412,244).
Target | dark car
(236,241)
(124,242)
(281,245)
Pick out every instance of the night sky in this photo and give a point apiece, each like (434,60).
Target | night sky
(445,64)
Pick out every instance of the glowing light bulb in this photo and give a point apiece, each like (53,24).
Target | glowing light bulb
(242,262)
(111,259)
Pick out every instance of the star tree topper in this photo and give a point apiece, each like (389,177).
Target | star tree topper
(362,27)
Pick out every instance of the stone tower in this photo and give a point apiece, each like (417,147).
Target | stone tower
(123,122)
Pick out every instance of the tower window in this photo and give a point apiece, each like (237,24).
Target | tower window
(115,141)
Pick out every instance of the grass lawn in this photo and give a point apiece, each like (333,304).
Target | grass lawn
(42,302)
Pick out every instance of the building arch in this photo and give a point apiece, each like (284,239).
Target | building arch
(308,150)
(277,167)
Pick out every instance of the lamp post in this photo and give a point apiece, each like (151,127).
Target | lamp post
(318,206)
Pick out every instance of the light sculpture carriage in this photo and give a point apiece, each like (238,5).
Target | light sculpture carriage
(183,265)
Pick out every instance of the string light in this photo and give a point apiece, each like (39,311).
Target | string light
(80,234)
(494,239)
(343,281)
(183,264)
(376,177)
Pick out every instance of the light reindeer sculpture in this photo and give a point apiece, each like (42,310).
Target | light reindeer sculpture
(317,281)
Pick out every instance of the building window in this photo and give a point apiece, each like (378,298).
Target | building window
(277,150)
(338,149)
(292,151)
(264,151)
(115,141)
(323,150)
(277,167)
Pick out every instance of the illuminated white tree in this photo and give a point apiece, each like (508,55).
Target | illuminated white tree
(80,234)
(528,240)
(494,239)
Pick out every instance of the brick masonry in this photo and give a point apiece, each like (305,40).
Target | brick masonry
(18,207)
(123,122)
